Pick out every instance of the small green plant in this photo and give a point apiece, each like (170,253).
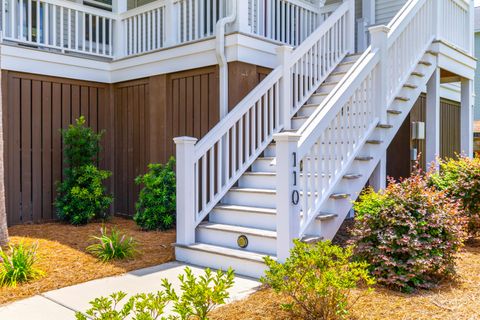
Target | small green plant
(81,195)
(409,233)
(156,205)
(199,297)
(18,265)
(460,179)
(318,280)
(113,245)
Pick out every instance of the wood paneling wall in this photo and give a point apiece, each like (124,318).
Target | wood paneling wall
(140,119)
(35,109)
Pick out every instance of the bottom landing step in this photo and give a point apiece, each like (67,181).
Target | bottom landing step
(244,263)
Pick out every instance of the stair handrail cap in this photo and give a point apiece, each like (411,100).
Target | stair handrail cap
(379,28)
(185,139)
(287,136)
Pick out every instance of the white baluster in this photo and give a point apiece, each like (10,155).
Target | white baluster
(185,189)
(378,35)
(288,173)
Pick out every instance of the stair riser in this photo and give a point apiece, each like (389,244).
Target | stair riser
(262,200)
(229,240)
(343,67)
(335,77)
(326,88)
(244,219)
(297,123)
(257,182)
(206,259)
(307,111)
(262,165)
(270,151)
(317,99)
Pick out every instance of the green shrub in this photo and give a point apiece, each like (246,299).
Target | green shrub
(18,265)
(199,297)
(318,279)
(409,233)
(82,196)
(156,205)
(112,246)
(460,179)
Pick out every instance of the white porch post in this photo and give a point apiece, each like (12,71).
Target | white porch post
(351,27)
(119,32)
(185,190)
(378,179)
(241,23)
(367,19)
(378,36)
(172,25)
(283,54)
(432,125)
(466,117)
(288,214)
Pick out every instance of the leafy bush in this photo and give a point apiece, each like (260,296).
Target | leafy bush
(156,204)
(82,195)
(409,233)
(18,265)
(112,246)
(318,279)
(198,298)
(460,179)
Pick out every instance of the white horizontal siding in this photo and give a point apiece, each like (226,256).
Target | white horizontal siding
(385,10)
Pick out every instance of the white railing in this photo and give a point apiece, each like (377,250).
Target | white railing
(207,170)
(58,24)
(328,142)
(455,23)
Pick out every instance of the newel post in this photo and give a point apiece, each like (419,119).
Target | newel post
(119,32)
(172,25)
(288,195)
(284,54)
(241,23)
(185,190)
(351,27)
(379,38)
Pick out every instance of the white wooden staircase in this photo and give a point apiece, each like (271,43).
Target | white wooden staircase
(272,170)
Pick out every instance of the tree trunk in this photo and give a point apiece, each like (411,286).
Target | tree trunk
(3,211)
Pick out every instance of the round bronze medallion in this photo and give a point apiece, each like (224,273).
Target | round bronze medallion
(242,241)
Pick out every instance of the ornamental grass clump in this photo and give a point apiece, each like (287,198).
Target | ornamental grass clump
(18,265)
(409,234)
(460,179)
(318,279)
(113,245)
(156,205)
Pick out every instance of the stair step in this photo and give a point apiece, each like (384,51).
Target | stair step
(253,190)
(374,141)
(384,126)
(311,239)
(433,53)
(338,196)
(232,207)
(410,86)
(418,74)
(236,229)
(425,63)
(402,99)
(363,158)
(227,252)
(352,176)
(326,216)
(396,112)
(259,174)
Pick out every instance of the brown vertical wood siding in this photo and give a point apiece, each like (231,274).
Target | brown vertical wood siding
(140,119)
(35,109)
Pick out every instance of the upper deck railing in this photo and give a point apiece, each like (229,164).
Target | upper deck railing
(70,27)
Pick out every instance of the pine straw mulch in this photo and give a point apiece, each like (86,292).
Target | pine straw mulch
(63,258)
(457,299)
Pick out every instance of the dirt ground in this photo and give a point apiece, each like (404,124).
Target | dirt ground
(63,258)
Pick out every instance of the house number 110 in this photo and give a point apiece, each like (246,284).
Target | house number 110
(295,193)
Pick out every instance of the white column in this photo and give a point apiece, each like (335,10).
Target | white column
(466,118)
(172,25)
(378,37)
(119,32)
(185,189)
(368,11)
(241,22)
(284,56)
(351,27)
(288,214)
(432,125)
(378,179)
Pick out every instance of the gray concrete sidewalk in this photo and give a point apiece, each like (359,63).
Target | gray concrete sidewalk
(63,303)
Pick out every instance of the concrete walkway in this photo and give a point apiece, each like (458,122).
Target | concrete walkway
(63,303)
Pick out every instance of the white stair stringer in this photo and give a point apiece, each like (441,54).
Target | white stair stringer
(370,154)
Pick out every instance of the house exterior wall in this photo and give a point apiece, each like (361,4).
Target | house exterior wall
(385,10)
(140,118)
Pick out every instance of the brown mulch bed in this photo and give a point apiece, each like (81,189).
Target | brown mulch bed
(63,258)
(457,299)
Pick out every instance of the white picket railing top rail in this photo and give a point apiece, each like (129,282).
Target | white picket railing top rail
(142,9)
(80,7)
